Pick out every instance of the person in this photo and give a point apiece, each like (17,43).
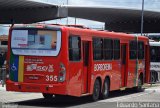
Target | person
(53,44)
(4,57)
(1,60)
(1,64)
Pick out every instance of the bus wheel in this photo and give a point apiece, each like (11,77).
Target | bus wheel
(153,79)
(47,96)
(105,90)
(96,90)
(140,83)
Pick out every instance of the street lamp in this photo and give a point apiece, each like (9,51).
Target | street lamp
(142,15)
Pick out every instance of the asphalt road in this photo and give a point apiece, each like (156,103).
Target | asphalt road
(117,99)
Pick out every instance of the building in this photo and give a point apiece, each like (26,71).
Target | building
(3,43)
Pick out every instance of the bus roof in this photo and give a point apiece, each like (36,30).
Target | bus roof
(154,43)
(74,27)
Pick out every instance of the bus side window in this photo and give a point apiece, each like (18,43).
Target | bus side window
(140,50)
(108,49)
(97,48)
(74,48)
(133,50)
(116,52)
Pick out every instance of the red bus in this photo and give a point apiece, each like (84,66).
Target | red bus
(62,60)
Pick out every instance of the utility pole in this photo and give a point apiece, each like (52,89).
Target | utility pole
(75,21)
(142,17)
(67,16)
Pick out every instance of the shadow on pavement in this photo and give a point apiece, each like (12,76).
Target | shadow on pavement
(69,101)
(60,102)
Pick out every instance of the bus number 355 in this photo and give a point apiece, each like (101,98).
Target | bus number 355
(51,78)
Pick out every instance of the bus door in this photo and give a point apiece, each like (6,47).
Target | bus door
(85,66)
(123,65)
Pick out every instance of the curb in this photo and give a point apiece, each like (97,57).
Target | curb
(146,86)
(153,89)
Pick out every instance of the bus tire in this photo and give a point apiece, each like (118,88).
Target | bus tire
(105,89)
(47,96)
(96,90)
(140,83)
(153,76)
(153,79)
(60,96)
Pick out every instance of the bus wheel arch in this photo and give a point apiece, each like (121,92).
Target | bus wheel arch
(47,96)
(140,83)
(96,89)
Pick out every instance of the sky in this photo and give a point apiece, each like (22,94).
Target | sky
(131,4)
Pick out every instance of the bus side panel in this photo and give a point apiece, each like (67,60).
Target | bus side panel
(75,78)
(141,68)
(115,80)
(111,69)
(132,73)
(147,64)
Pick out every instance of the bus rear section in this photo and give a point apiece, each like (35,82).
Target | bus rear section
(35,61)
(154,62)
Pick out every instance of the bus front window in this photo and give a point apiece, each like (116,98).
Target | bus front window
(36,42)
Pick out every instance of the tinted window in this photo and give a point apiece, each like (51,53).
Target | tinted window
(74,48)
(133,49)
(97,49)
(140,50)
(108,49)
(116,48)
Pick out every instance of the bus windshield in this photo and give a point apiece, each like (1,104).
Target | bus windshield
(155,53)
(36,42)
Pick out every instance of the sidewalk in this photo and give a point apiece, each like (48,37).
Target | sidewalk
(2,88)
(153,88)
